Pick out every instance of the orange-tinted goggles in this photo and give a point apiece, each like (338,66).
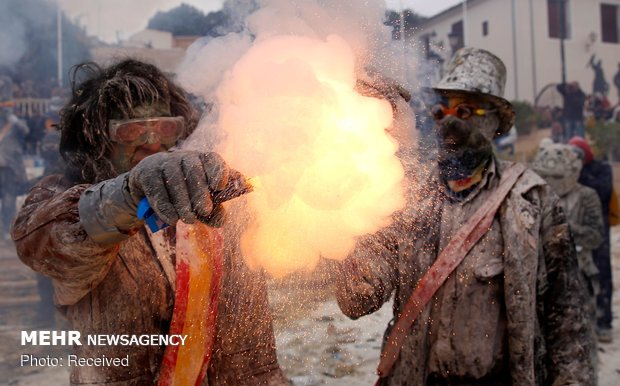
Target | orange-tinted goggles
(464,110)
(137,132)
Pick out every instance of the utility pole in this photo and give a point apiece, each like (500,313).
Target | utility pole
(533,47)
(562,37)
(465,39)
(59,43)
(563,60)
(515,65)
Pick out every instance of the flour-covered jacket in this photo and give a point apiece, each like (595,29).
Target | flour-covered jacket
(512,313)
(585,217)
(128,288)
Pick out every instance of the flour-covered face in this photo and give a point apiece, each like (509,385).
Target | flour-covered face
(160,133)
(559,165)
(465,126)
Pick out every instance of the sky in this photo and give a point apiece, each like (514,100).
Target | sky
(112,20)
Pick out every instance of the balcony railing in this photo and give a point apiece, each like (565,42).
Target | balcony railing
(28,107)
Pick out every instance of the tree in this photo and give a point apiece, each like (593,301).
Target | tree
(28,46)
(188,20)
(412,21)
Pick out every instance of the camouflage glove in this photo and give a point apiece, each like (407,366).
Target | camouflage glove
(180,185)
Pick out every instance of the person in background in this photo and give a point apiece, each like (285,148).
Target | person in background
(506,141)
(599,84)
(513,311)
(12,170)
(617,82)
(598,175)
(50,145)
(572,113)
(424,127)
(560,165)
(111,274)
(599,106)
(557,125)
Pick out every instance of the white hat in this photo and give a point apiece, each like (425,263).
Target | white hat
(477,71)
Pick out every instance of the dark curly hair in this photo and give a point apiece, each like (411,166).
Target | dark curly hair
(106,93)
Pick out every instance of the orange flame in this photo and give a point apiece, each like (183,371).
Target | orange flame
(323,168)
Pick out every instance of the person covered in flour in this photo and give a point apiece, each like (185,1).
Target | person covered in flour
(560,165)
(111,274)
(13,132)
(480,261)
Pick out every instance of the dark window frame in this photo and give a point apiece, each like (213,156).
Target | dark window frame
(610,28)
(457,31)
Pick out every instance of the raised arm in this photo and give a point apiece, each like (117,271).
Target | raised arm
(367,278)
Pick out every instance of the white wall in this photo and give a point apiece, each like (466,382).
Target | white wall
(538,67)
(585,19)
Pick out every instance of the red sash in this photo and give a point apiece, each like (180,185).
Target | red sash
(199,258)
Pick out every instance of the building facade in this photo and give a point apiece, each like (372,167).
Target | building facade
(160,48)
(525,34)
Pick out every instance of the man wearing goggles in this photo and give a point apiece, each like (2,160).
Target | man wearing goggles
(137,132)
(505,286)
(151,131)
(465,125)
(111,274)
(458,107)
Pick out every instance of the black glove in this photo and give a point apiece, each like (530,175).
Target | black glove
(179,185)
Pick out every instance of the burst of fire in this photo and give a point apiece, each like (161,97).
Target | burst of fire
(323,168)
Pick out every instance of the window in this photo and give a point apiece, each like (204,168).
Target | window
(457,28)
(610,30)
(456,36)
(485,28)
(559,18)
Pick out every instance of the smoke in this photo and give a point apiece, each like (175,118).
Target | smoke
(288,116)
(12,36)
(237,11)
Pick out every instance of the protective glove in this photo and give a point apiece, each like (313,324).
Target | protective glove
(182,185)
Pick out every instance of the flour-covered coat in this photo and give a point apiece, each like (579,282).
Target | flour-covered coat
(128,288)
(512,313)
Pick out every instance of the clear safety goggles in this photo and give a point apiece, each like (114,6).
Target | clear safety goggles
(136,132)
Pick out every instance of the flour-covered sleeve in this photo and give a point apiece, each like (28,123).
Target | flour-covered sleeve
(589,233)
(50,239)
(367,278)
(565,319)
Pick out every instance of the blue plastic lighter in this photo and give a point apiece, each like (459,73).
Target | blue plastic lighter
(146,213)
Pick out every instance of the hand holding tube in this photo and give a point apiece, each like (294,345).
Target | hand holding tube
(182,185)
